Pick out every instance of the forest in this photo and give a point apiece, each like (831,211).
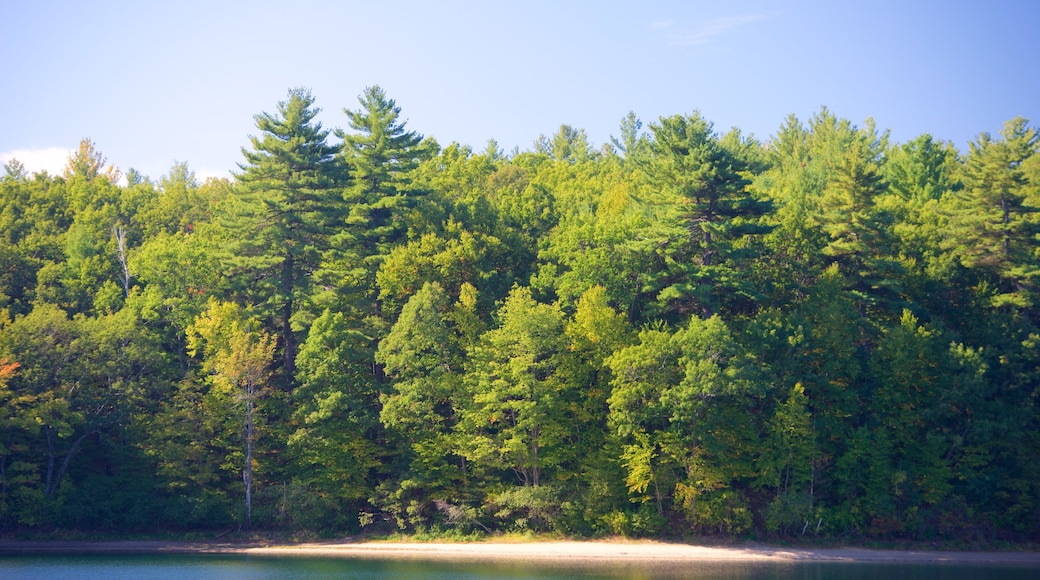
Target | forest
(685,332)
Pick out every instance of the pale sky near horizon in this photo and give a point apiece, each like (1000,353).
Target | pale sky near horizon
(153,83)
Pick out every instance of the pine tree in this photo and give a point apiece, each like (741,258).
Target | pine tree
(381,156)
(860,237)
(993,221)
(702,207)
(286,207)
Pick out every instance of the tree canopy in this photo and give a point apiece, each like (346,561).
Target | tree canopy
(680,333)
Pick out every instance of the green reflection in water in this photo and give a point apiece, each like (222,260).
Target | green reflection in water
(206,567)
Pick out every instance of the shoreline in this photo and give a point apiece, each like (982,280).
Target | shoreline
(612,552)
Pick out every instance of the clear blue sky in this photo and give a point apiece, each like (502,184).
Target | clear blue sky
(155,82)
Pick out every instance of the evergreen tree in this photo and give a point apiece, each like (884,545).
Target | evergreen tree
(702,207)
(921,169)
(381,155)
(284,212)
(631,141)
(791,258)
(921,174)
(993,221)
(567,144)
(859,231)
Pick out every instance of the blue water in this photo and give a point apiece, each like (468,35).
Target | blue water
(205,567)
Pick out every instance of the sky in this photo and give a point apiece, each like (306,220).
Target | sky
(153,83)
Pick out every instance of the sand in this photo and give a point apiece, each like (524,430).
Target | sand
(611,552)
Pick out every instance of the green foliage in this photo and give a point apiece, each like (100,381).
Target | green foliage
(993,223)
(283,215)
(786,463)
(424,356)
(455,258)
(336,414)
(180,203)
(672,399)
(590,245)
(720,512)
(381,156)
(515,417)
(700,207)
(684,333)
(527,508)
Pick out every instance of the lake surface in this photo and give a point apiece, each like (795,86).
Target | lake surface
(232,567)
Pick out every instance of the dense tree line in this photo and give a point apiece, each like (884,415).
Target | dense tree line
(685,331)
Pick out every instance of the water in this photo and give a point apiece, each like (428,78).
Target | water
(233,567)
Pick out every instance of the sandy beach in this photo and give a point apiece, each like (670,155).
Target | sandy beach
(554,552)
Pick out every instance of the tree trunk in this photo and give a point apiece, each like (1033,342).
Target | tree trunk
(534,457)
(49,431)
(247,472)
(1007,220)
(288,338)
(53,481)
(120,235)
(657,495)
(65,463)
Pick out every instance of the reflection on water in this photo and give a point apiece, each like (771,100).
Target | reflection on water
(206,567)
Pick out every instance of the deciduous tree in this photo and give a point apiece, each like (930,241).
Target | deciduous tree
(237,355)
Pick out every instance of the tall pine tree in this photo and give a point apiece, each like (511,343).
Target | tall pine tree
(286,206)
(993,223)
(702,206)
(381,154)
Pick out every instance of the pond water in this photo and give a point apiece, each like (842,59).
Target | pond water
(224,567)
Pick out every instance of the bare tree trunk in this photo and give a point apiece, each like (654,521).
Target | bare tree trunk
(247,472)
(53,481)
(49,431)
(120,234)
(68,458)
